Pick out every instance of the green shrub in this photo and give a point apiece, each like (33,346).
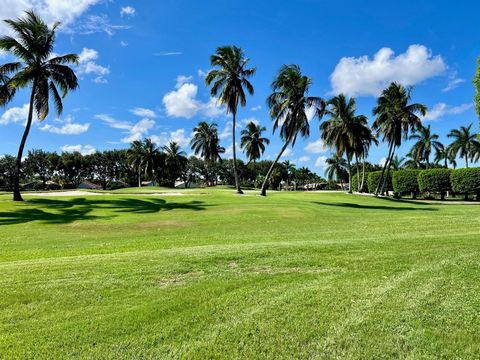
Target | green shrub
(355,182)
(435,181)
(466,181)
(405,181)
(374,178)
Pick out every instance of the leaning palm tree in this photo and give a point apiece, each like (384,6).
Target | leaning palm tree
(205,142)
(396,118)
(230,78)
(445,155)
(344,131)
(336,168)
(46,76)
(288,104)
(464,143)
(252,142)
(425,143)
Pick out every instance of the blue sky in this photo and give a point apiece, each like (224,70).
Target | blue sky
(143,64)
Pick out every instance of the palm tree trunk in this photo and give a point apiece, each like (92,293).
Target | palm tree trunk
(384,168)
(349,174)
(363,173)
(18,165)
(466,161)
(234,146)
(385,179)
(358,173)
(269,173)
(139,177)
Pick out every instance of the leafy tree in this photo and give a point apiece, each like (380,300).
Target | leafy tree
(7,172)
(396,117)
(337,168)
(73,168)
(464,144)
(344,131)
(230,77)
(252,142)
(143,157)
(425,143)
(288,104)
(476,83)
(37,165)
(37,69)
(205,142)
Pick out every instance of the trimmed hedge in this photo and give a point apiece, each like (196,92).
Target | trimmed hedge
(465,181)
(374,178)
(406,181)
(355,182)
(435,180)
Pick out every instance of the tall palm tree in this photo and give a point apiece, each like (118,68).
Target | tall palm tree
(290,168)
(425,143)
(288,104)
(396,117)
(445,155)
(413,162)
(175,160)
(46,76)
(464,143)
(397,162)
(143,158)
(205,142)
(230,77)
(252,142)
(336,168)
(368,139)
(344,131)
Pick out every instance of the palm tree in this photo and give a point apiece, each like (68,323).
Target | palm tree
(336,168)
(205,142)
(445,155)
(464,143)
(143,158)
(396,117)
(230,78)
(368,139)
(426,142)
(345,131)
(46,76)
(288,104)
(175,160)
(413,162)
(397,162)
(290,168)
(252,142)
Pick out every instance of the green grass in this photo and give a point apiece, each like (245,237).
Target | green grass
(213,275)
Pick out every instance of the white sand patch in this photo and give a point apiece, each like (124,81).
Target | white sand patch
(64,193)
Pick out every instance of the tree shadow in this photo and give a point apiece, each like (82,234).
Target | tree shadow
(373,207)
(70,210)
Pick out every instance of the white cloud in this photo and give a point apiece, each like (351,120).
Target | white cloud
(168,53)
(134,131)
(453,82)
(68,127)
(382,161)
(143,112)
(244,122)
(82,149)
(227,131)
(315,147)
(182,79)
(287,153)
(98,23)
(304,159)
(365,76)
(14,115)
(183,102)
(123,43)
(66,11)
(127,10)
(202,73)
(177,136)
(441,109)
(88,66)
(256,108)
(321,162)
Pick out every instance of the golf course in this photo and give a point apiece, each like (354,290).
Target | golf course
(204,274)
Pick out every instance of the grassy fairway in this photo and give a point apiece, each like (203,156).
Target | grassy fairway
(214,275)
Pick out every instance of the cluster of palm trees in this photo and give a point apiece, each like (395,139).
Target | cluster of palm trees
(291,110)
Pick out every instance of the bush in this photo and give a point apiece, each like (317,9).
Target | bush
(405,181)
(466,181)
(355,182)
(435,181)
(374,178)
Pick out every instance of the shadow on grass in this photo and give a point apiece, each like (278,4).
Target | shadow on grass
(69,210)
(373,207)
